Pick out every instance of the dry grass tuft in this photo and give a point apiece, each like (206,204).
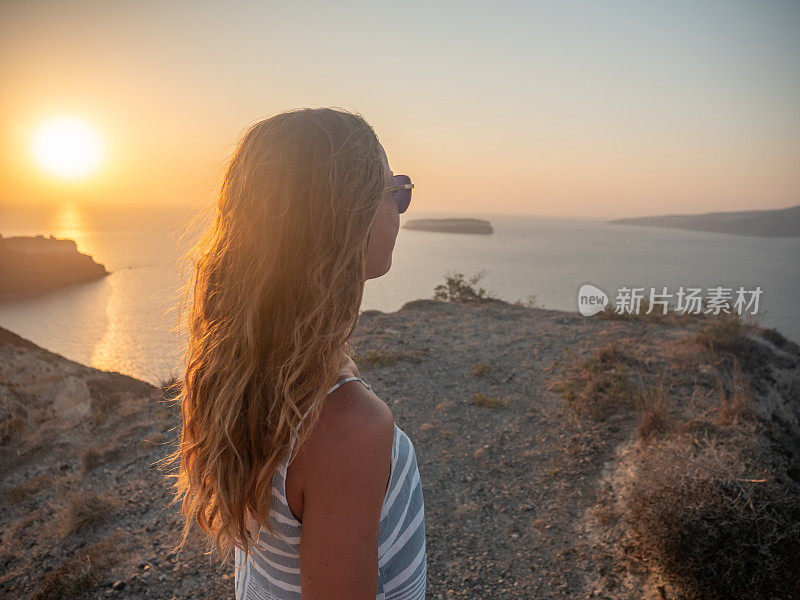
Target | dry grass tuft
(81,573)
(94,456)
(14,419)
(26,489)
(85,510)
(737,406)
(598,385)
(91,458)
(654,418)
(725,333)
(480,399)
(655,315)
(101,407)
(480,369)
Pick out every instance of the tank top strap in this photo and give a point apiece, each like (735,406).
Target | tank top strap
(346,379)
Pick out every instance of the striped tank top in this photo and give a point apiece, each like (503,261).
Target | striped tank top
(272,572)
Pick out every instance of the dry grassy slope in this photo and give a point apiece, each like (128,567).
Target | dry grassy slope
(511,486)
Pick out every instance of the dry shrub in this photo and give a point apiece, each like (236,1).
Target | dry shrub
(457,289)
(684,354)
(170,388)
(717,522)
(84,510)
(81,573)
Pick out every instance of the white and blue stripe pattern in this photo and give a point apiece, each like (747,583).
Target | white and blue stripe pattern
(273,572)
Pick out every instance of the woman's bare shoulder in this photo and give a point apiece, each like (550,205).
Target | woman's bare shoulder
(354,420)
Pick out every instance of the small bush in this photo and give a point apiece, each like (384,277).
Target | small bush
(457,290)
(480,369)
(170,388)
(714,527)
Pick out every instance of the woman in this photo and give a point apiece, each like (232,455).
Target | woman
(287,457)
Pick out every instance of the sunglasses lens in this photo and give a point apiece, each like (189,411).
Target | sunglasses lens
(402,197)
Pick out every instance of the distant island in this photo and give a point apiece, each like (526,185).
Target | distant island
(450,225)
(783,222)
(31,265)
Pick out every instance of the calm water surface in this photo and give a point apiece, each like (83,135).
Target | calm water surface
(126,321)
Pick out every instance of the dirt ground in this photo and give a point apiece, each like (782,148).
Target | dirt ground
(512,478)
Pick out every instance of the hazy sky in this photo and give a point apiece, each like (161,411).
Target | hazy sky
(598,109)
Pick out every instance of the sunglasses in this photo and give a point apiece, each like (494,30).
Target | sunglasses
(401,192)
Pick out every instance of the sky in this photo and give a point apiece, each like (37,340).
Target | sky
(574,108)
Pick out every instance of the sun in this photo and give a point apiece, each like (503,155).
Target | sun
(67,148)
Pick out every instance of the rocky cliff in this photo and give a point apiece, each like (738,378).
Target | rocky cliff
(34,265)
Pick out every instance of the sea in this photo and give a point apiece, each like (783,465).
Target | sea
(127,321)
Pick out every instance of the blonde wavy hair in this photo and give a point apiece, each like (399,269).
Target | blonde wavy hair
(276,285)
